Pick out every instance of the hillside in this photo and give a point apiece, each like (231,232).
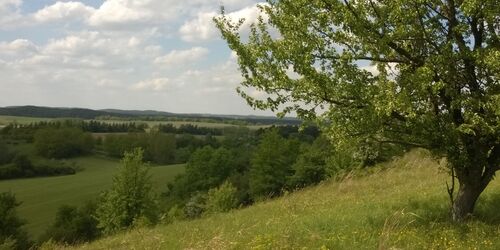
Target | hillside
(399,205)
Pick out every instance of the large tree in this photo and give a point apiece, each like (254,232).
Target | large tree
(422,73)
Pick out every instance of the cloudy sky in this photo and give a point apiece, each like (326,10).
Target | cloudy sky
(129,54)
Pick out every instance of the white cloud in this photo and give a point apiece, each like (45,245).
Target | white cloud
(6,4)
(181,57)
(17,45)
(128,13)
(17,49)
(71,54)
(156,84)
(202,28)
(64,11)
(118,11)
(221,77)
(199,29)
(9,13)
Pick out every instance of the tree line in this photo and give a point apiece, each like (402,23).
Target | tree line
(26,132)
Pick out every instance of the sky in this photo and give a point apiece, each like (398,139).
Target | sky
(128,54)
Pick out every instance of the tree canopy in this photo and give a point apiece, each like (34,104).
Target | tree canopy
(421,73)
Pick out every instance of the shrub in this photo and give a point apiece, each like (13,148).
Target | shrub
(222,198)
(11,233)
(73,225)
(195,207)
(130,196)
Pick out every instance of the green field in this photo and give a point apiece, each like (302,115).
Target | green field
(5,120)
(401,205)
(41,197)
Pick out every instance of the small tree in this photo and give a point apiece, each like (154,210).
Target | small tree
(11,233)
(222,198)
(130,197)
(422,73)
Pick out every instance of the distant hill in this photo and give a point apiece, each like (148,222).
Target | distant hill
(82,113)
(46,112)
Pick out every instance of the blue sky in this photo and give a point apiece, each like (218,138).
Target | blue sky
(128,54)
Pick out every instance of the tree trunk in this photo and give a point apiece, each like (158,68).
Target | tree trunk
(464,203)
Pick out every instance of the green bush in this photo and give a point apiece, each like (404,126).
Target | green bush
(222,198)
(11,232)
(195,207)
(130,197)
(73,225)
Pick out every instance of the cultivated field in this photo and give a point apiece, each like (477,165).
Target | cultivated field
(41,197)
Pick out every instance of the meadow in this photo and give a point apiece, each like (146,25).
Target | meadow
(401,204)
(41,197)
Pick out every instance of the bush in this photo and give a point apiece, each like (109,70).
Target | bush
(222,199)
(130,197)
(22,167)
(73,225)
(195,207)
(11,233)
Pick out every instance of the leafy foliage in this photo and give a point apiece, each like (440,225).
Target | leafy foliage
(22,167)
(222,198)
(271,164)
(11,232)
(418,73)
(130,197)
(62,142)
(311,165)
(73,225)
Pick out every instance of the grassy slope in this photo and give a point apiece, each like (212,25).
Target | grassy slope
(41,197)
(404,206)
